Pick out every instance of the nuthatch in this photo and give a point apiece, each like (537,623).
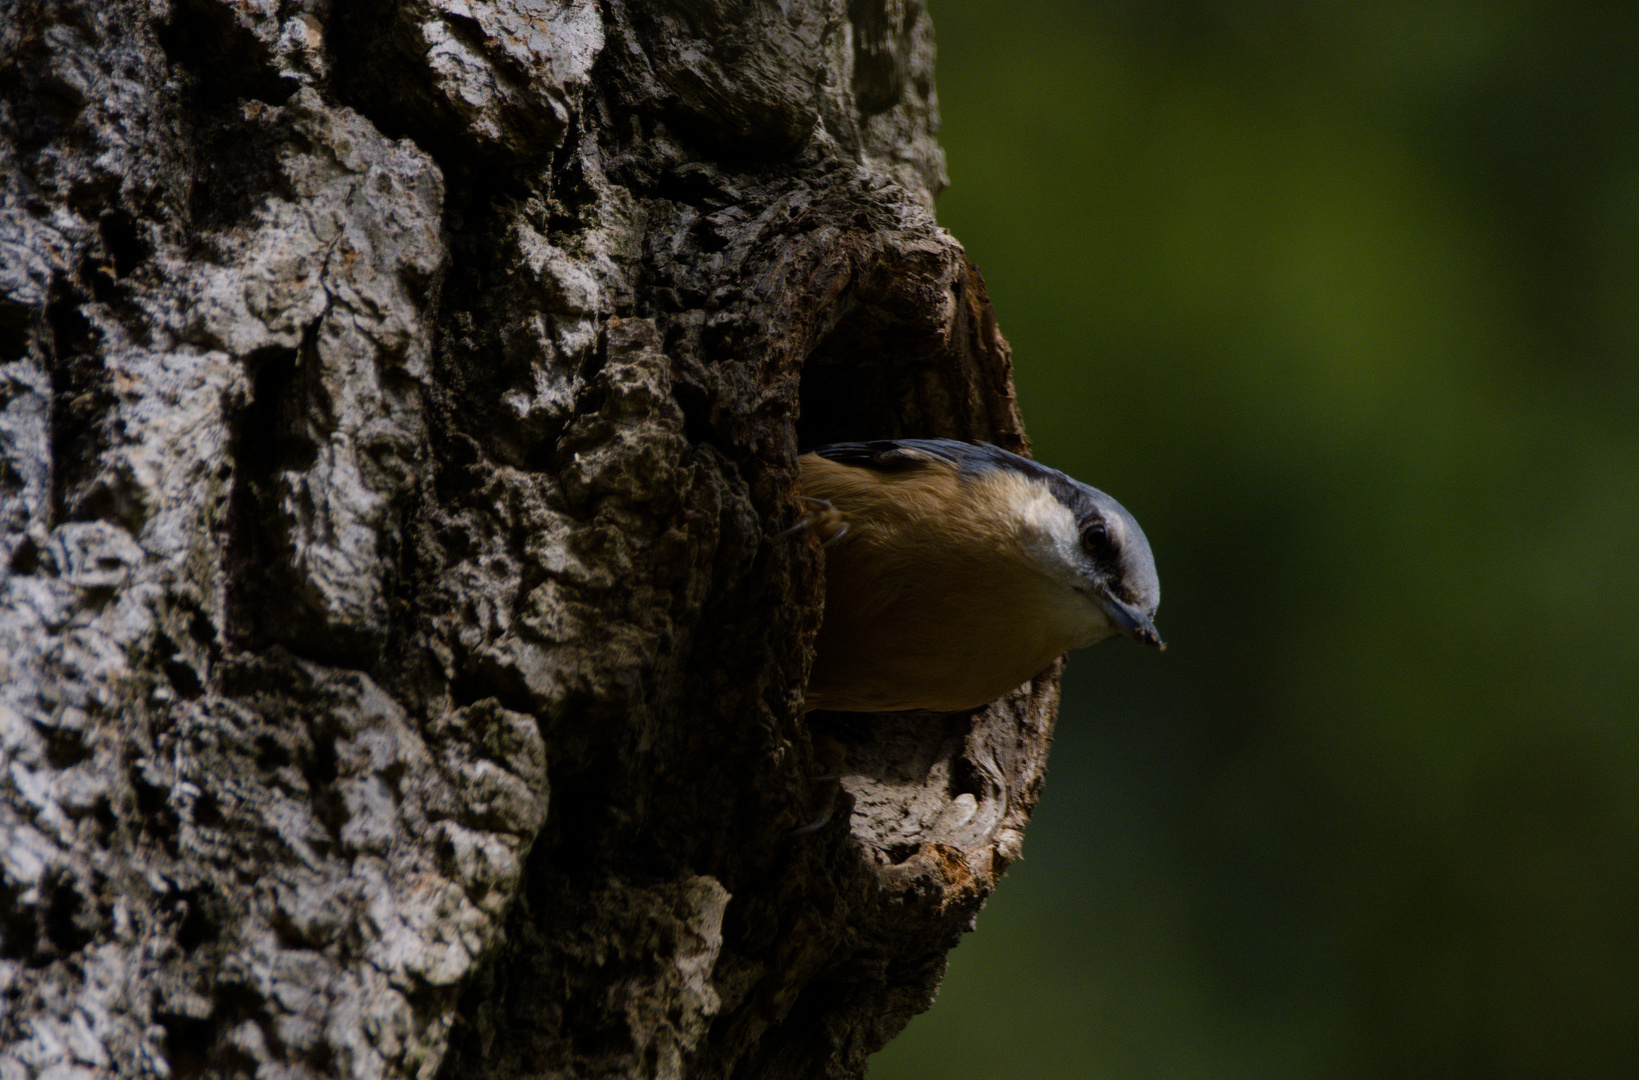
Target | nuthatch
(957,571)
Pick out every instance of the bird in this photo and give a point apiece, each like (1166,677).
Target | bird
(957,571)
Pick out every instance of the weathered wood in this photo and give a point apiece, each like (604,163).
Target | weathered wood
(399,666)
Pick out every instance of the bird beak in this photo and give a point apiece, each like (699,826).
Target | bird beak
(1130,621)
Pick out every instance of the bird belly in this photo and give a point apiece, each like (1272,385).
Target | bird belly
(941,649)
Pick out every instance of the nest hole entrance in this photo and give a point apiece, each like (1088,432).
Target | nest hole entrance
(910,355)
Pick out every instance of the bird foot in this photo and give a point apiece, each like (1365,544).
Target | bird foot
(822,518)
(830,755)
(816,825)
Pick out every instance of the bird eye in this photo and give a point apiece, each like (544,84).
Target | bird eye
(1095,538)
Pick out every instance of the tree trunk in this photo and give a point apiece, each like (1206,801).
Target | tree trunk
(401,658)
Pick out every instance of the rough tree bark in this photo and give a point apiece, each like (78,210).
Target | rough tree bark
(399,668)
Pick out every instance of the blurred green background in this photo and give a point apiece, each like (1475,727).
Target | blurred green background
(1342,301)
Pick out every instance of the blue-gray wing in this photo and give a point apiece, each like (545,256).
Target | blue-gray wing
(893,455)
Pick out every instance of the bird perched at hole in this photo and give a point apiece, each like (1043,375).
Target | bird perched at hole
(956,571)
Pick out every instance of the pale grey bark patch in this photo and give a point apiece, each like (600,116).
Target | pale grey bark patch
(502,79)
(400,661)
(354,869)
(322,293)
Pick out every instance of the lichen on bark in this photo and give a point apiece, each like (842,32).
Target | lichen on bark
(400,661)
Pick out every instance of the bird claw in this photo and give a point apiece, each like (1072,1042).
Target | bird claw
(832,753)
(824,515)
(816,825)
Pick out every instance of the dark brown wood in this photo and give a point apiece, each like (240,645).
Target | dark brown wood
(400,661)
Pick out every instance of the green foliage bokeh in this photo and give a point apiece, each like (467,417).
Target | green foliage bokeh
(1342,301)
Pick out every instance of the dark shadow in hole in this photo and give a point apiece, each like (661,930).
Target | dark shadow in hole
(859,380)
(270,437)
(237,169)
(123,242)
(64,921)
(187,1044)
(227,59)
(81,401)
(16,329)
(912,353)
(882,44)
